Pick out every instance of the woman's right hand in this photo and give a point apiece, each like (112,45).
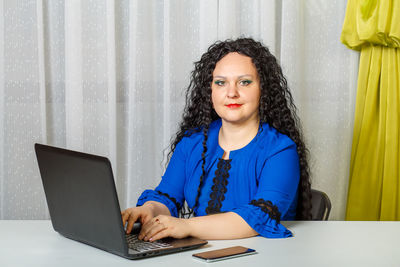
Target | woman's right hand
(130,216)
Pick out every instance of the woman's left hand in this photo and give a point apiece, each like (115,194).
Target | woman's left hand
(164,226)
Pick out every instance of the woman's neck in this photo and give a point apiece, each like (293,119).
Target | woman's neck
(236,136)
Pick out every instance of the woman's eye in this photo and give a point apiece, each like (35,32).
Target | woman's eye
(245,82)
(219,82)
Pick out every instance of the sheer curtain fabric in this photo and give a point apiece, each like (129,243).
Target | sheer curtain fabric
(107,77)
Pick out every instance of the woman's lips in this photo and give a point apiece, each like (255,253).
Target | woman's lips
(234,105)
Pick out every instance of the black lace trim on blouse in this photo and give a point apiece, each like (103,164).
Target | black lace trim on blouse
(269,208)
(177,204)
(219,188)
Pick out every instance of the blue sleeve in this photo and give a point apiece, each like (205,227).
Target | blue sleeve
(277,189)
(170,190)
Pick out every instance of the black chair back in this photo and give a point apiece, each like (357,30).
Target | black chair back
(321,205)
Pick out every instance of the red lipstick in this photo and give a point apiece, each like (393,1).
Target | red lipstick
(234,105)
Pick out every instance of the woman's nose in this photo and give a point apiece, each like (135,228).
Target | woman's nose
(232,91)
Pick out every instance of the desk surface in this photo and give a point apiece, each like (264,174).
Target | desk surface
(332,243)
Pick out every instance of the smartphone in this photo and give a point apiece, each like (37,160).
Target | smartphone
(223,254)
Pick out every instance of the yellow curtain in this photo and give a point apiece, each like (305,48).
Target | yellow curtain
(373,28)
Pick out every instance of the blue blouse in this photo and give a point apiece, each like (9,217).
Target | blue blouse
(259,182)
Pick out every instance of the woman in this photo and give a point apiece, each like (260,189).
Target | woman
(238,156)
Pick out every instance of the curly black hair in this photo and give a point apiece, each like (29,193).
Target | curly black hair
(276,107)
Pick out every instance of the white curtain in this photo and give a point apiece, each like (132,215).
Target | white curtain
(107,77)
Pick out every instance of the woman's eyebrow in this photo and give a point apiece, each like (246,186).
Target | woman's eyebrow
(245,75)
(240,76)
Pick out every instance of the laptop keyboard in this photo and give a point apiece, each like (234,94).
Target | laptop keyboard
(143,246)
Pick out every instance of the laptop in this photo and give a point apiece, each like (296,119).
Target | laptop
(83,205)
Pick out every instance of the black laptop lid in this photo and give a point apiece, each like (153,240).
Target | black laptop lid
(76,210)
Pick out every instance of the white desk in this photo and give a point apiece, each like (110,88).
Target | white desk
(333,243)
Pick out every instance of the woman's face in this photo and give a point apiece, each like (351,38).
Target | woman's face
(236,89)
